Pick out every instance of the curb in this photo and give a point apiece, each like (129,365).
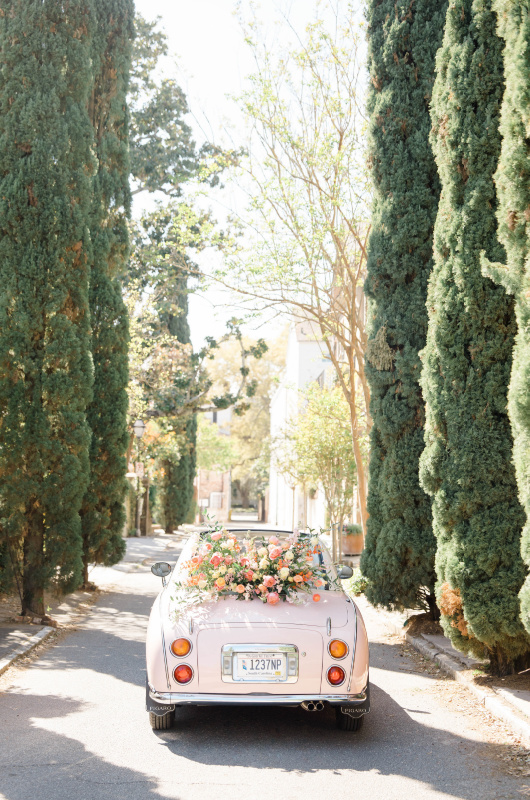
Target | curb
(32,642)
(499,708)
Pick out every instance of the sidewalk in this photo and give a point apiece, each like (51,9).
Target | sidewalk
(507,698)
(18,637)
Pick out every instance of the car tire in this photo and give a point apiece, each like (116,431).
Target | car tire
(347,723)
(161,722)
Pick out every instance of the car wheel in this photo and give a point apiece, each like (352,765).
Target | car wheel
(347,723)
(162,722)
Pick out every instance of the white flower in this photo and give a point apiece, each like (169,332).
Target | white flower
(222,570)
(263,564)
(215,574)
(262,551)
(202,584)
(231,543)
(291,579)
(284,573)
(314,540)
(289,555)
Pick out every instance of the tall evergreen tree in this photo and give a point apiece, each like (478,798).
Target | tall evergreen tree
(46,168)
(103,510)
(513,215)
(179,475)
(403,40)
(467,465)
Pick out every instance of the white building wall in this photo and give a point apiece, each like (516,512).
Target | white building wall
(304,364)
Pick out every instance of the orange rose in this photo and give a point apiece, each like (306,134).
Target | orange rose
(240,588)
(220,583)
(298,579)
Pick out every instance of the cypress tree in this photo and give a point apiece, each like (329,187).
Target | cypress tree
(513,214)
(466,465)
(103,512)
(399,552)
(179,474)
(46,168)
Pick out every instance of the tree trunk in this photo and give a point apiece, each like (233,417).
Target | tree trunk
(32,589)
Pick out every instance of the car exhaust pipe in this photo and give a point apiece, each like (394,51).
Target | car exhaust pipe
(310,705)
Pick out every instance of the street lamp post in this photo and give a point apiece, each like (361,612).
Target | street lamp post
(139,429)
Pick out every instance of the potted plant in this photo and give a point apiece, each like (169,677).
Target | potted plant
(352,539)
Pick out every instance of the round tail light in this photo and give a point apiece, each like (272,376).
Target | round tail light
(338,649)
(183,673)
(336,676)
(181,647)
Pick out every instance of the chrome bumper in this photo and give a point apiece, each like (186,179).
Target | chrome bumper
(253,698)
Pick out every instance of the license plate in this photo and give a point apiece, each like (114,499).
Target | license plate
(269,667)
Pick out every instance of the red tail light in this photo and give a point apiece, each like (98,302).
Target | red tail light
(336,676)
(183,673)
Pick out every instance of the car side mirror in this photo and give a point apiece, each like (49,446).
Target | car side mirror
(161,569)
(344,572)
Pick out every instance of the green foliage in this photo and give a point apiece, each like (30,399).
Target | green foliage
(356,585)
(46,168)
(103,509)
(400,546)
(162,150)
(513,192)
(467,465)
(315,449)
(214,449)
(177,484)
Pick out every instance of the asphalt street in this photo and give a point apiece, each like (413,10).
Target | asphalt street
(73,726)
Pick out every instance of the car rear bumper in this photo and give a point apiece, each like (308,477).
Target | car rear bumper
(360,701)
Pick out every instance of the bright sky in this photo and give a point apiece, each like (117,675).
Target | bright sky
(213,59)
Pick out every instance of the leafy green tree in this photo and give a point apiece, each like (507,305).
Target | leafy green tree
(399,552)
(467,463)
(164,156)
(103,510)
(513,192)
(163,153)
(214,449)
(46,169)
(315,449)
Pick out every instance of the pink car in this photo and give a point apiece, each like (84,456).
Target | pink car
(207,646)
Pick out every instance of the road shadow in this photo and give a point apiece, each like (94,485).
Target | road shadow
(38,763)
(111,640)
(391,743)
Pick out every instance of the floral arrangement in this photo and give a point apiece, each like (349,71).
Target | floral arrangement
(256,568)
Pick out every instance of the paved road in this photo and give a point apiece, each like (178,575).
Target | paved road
(73,727)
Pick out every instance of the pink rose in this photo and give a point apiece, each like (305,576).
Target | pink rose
(249,575)
(274,540)
(215,560)
(196,560)
(275,552)
(216,536)
(273,598)
(269,581)
(228,560)
(244,561)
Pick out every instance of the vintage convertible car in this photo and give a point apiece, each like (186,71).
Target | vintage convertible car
(220,650)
